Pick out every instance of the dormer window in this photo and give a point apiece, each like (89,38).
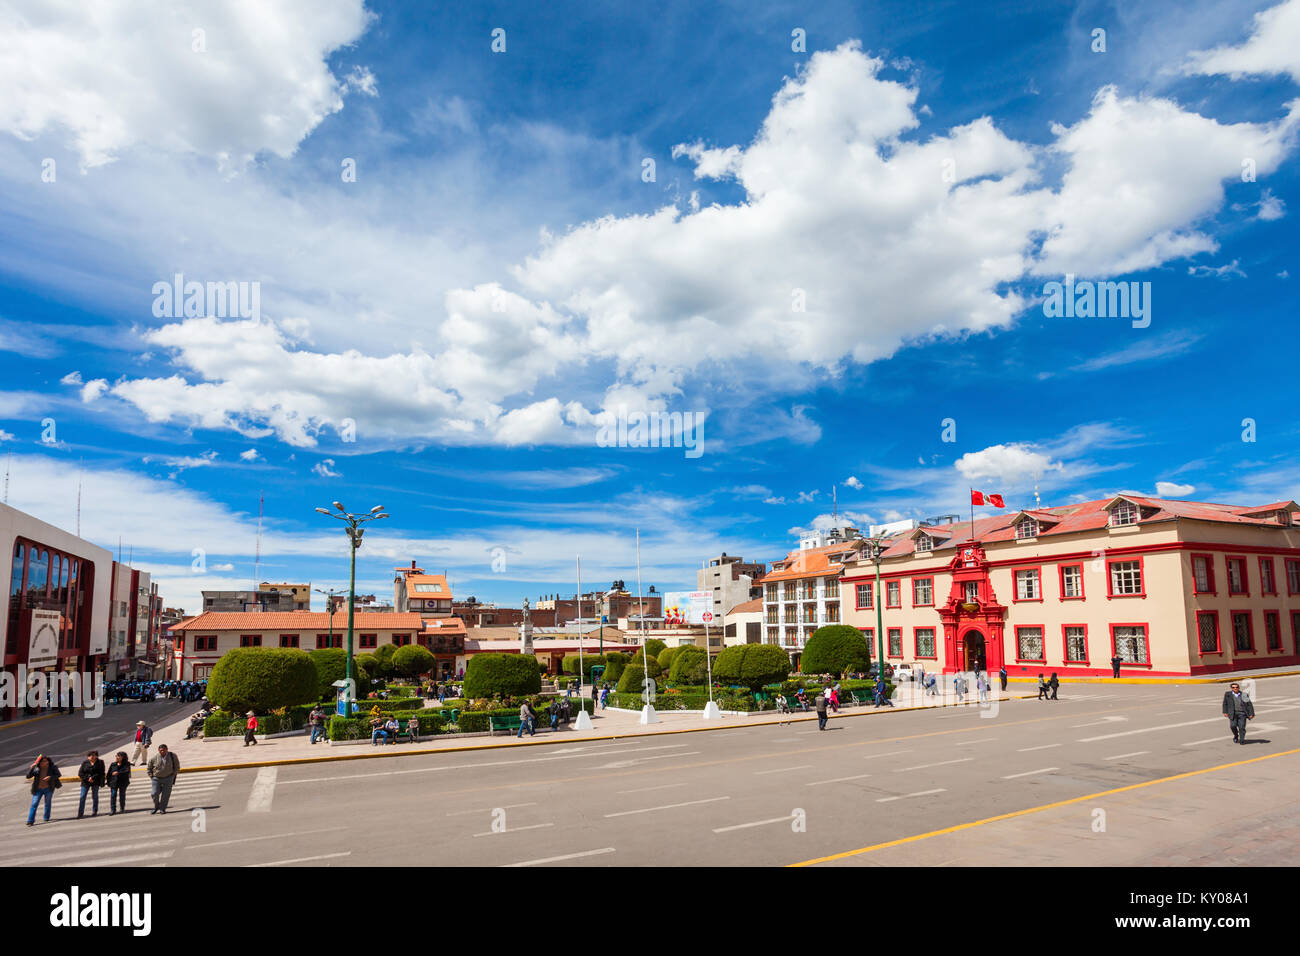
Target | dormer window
(1124,513)
(924,544)
(1026,528)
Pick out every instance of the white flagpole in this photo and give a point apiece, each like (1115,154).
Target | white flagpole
(583,722)
(647,712)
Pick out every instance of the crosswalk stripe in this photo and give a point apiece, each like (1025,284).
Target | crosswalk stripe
(126,859)
(85,853)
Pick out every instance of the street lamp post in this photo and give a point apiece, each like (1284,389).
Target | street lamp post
(330,593)
(354,533)
(877,550)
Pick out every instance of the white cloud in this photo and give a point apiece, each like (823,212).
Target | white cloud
(250,455)
(72,378)
(853,482)
(806,496)
(1270,207)
(1272,48)
(1226,271)
(1169,489)
(1005,466)
(6,436)
(325,468)
(222,567)
(93,389)
(125,73)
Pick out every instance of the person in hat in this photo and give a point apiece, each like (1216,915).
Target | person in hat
(250,730)
(143,738)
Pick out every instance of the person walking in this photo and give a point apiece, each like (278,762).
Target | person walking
(1054,684)
(1237,707)
(317,720)
(834,699)
(982,686)
(1042,688)
(163,768)
(44,774)
(1002,676)
(959,688)
(930,689)
(143,738)
(250,730)
(524,722)
(118,778)
(821,705)
(91,774)
(1114,665)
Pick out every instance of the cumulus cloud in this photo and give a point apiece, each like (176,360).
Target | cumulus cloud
(853,482)
(325,468)
(1272,48)
(250,455)
(72,378)
(226,81)
(1169,489)
(1005,465)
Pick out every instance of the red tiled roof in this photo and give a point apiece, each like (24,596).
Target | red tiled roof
(258,621)
(748,607)
(811,563)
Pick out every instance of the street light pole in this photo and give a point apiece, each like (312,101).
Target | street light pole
(876,551)
(355,533)
(330,598)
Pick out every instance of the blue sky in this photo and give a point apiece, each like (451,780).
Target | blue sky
(839,249)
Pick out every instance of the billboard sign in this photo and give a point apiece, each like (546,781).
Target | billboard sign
(687,607)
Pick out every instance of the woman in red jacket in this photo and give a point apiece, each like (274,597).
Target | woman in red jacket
(249,733)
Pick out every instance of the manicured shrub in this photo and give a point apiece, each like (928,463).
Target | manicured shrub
(366,664)
(412,660)
(634,675)
(331,664)
(502,675)
(655,646)
(751,665)
(690,665)
(262,679)
(615,661)
(834,649)
(588,662)
(666,659)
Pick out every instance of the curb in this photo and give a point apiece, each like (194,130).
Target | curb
(30,720)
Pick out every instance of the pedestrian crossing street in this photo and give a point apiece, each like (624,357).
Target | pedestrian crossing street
(135,838)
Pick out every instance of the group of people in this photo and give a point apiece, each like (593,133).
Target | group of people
(149,690)
(94,775)
(440,691)
(1048,687)
(382,731)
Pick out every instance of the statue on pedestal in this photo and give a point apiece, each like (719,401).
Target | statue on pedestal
(526,631)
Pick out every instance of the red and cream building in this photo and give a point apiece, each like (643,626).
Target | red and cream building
(200,641)
(1170,587)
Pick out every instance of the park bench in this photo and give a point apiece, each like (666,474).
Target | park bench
(503,723)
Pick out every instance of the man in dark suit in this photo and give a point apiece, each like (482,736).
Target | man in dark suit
(1237,707)
(1114,665)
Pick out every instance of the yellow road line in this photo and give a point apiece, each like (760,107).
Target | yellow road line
(1047,806)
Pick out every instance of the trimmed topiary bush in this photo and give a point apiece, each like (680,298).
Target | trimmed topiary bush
(666,659)
(690,665)
(632,680)
(615,661)
(589,661)
(331,664)
(834,649)
(502,675)
(412,660)
(655,647)
(262,679)
(752,665)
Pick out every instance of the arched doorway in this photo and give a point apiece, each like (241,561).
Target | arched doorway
(974,657)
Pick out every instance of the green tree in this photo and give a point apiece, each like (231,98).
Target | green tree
(502,675)
(412,660)
(384,658)
(615,661)
(263,679)
(331,664)
(690,665)
(366,664)
(834,649)
(654,646)
(666,659)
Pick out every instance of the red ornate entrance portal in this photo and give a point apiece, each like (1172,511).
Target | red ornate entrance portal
(972,617)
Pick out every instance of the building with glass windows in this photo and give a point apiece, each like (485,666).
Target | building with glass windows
(57,604)
(1169,587)
(802,592)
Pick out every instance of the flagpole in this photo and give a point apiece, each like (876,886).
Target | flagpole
(583,722)
(647,712)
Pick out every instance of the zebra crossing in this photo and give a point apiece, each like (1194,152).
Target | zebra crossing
(135,837)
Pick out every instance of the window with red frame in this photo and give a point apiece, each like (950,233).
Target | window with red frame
(1243,638)
(1125,578)
(328,640)
(895,637)
(1029,644)
(922,592)
(1236,575)
(893,594)
(1273,630)
(1027,588)
(205,642)
(1292,577)
(1295,630)
(250,640)
(1076,644)
(369,640)
(1267,583)
(288,640)
(1130,643)
(180,642)
(1207,631)
(865,597)
(1072,581)
(401,640)
(1203,573)
(925,643)
(869,633)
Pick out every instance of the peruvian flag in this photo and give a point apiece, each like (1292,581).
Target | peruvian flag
(977,498)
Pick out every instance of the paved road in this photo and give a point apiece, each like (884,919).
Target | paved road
(67,737)
(733,797)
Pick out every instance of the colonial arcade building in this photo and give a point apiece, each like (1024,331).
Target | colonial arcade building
(1170,587)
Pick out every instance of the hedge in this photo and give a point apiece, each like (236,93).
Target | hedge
(358,728)
(752,665)
(634,676)
(263,679)
(834,649)
(690,665)
(476,721)
(502,675)
(589,661)
(392,703)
